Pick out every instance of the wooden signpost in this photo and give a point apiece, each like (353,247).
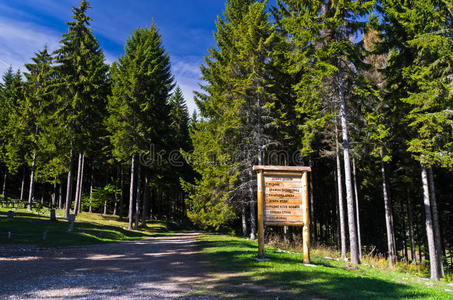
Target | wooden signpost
(283,200)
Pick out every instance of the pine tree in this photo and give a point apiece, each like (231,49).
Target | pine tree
(138,108)
(35,111)
(81,87)
(214,137)
(418,34)
(12,94)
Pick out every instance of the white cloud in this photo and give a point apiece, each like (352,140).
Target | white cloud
(20,40)
(187,75)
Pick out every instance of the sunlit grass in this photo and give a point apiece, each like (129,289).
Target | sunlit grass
(285,276)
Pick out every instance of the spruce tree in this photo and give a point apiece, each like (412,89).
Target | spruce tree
(138,107)
(81,88)
(418,36)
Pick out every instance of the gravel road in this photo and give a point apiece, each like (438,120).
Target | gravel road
(154,268)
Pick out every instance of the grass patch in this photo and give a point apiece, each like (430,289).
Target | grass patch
(27,229)
(238,274)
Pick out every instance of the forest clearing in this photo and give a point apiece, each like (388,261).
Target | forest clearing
(312,159)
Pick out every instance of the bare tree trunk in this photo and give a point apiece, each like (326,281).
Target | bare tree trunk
(54,196)
(76,200)
(312,208)
(388,217)
(131,193)
(411,229)
(22,186)
(340,198)
(69,186)
(32,181)
(81,184)
(357,211)
(5,176)
(145,202)
(437,235)
(347,172)
(138,196)
(433,260)
(90,209)
(122,193)
(252,206)
(60,195)
(244,219)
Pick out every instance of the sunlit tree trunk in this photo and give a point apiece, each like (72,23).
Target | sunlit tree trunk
(69,186)
(437,235)
(138,196)
(5,177)
(77,183)
(131,193)
(411,228)
(312,209)
(388,216)
(340,198)
(32,181)
(357,211)
(244,219)
(347,172)
(252,206)
(433,260)
(22,186)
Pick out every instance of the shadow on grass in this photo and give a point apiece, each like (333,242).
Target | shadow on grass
(28,228)
(240,275)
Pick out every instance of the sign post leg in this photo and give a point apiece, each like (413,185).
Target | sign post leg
(306,219)
(260,189)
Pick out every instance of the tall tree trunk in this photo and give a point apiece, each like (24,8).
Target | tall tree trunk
(32,181)
(437,235)
(357,211)
(79,171)
(411,228)
(433,259)
(90,209)
(388,216)
(347,172)
(5,177)
(122,193)
(79,201)
(337,213)
(60,195)
(131,193)
(54,196)
(145,208)
(312,209)
(69,186)
(22,186)
(252,206)
(340,198)
(244,219)
(138,196)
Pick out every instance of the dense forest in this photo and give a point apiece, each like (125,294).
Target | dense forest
(361,91)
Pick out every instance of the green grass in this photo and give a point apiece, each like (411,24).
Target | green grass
(232,262)
(27,229)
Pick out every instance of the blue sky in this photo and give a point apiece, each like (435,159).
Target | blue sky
(187,27)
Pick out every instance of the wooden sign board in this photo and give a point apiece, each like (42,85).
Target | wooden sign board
(283,200)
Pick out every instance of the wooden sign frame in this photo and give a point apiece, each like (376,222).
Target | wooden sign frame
(283,171)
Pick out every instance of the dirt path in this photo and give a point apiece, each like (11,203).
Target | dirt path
(160,267)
